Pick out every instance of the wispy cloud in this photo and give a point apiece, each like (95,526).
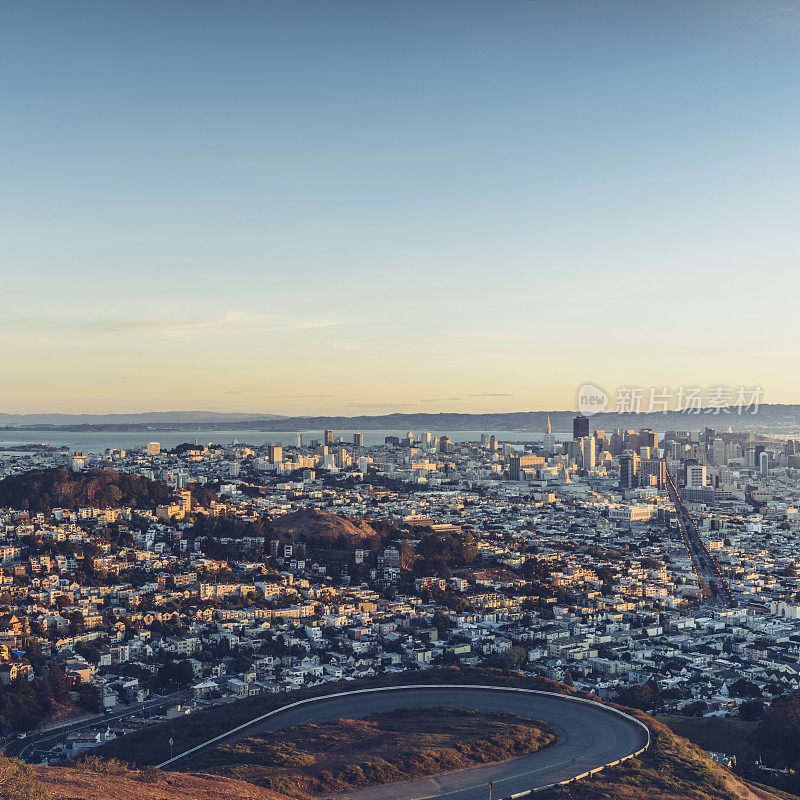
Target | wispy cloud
(492,394)
(229,323)
(347,346)
(440,399)
(782,14)
(232,322)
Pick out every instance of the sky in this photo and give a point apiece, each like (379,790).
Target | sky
(342,206)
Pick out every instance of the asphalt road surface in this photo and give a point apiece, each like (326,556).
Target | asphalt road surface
(36,747)
(588,737)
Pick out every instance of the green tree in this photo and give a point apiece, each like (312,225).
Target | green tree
(778,734)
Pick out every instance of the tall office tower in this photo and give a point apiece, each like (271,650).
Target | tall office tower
(718,452)
(616,443)
(750,457)
(628,470)
(327,437)
(645,452)
(695,475)
(580,427)
(484,439)
(233,469)
(275,454)
(548,440)
(426,438)
(671,449)
(652,468)
(298,440)
(649,438)
(588,452)
(763,464)
(153,449)
(493,444)
(633,441)
(358,440)
(790,447)
(445,445)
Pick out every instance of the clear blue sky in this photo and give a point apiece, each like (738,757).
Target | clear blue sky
(338,206)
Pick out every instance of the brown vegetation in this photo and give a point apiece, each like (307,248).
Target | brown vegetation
(149,745)
(323,528)
(392,746)
(672,769)
(118,782)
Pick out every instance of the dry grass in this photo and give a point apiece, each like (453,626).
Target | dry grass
(400,745)
(148,746)
(66,783)
(673,769)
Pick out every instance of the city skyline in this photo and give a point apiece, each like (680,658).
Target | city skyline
(357,208)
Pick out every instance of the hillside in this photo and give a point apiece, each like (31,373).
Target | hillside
(770,417)
(41,490)
(116,782)
(672,769)
(323,528)
(391,746)
(147,746)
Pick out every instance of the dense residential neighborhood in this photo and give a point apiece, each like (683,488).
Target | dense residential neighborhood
(139,585)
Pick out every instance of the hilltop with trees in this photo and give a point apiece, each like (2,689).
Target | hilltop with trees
(41,490)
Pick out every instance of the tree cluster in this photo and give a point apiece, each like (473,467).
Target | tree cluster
(41,490)
(24,704)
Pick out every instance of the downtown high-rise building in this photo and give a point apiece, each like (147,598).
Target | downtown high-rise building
(580,427)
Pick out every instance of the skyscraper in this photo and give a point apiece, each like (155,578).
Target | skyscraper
(580,427)
(695,475)
(358,439)
(588,452)
(649,439)
(628,470)
(327,437)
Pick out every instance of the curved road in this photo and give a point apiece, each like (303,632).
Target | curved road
(589,736)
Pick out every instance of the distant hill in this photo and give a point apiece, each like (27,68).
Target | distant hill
(144,418)
(45,489)
(322,528)
(769,419)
